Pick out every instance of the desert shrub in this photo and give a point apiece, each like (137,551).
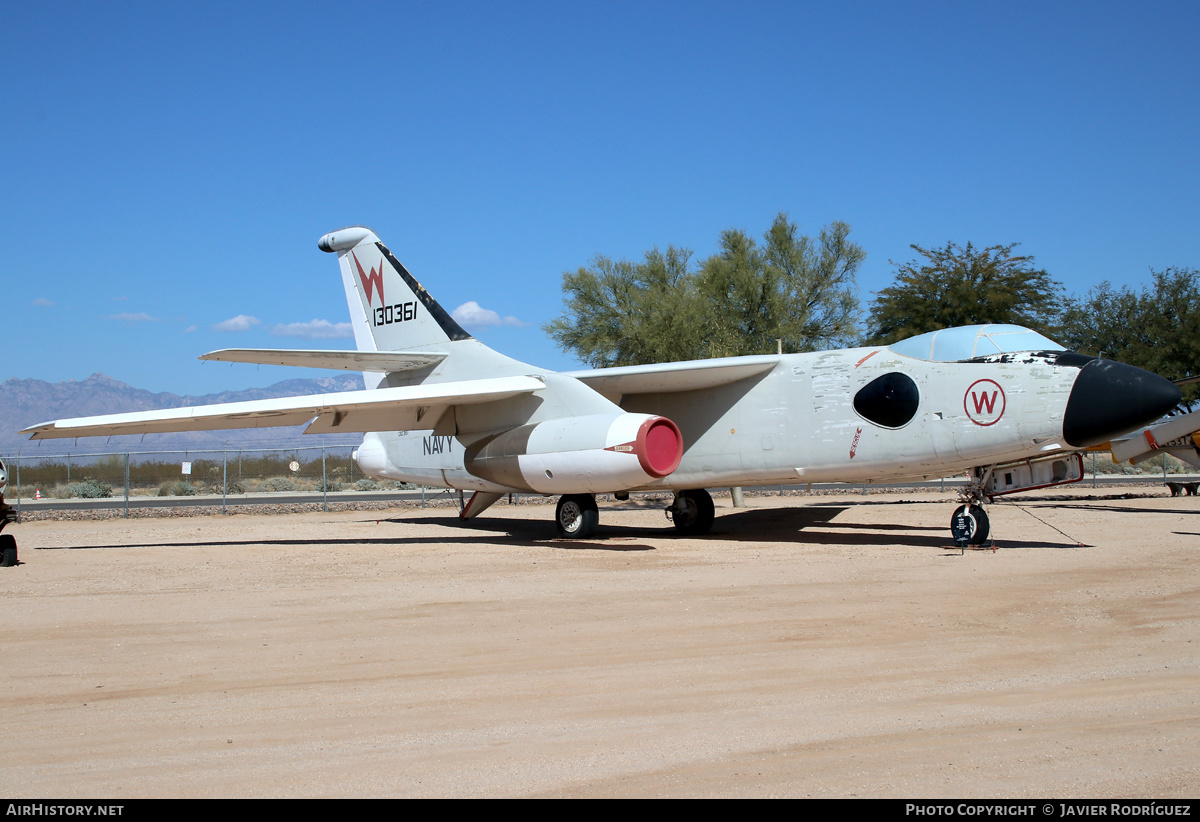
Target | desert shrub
(367,485)
(179,488)
(330,486)
(278,484)
(88,489)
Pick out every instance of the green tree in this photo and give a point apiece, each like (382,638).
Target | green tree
(956,286)
(624,313)
(739,301)
(1156,328)
(792,288)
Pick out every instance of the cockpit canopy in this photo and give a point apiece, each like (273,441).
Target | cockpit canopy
(970,341)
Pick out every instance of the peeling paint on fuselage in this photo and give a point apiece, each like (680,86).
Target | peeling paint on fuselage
(813,441)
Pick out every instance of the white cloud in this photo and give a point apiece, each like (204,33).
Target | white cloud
(315,330)
(141,317)
(241,322)
(473,315)
(43,301)
(189,329)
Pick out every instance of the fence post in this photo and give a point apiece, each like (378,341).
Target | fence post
(126,485)
(324,482)
(224,478)
(18,486)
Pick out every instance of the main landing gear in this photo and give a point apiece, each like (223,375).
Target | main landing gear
(577,517)
(692,512)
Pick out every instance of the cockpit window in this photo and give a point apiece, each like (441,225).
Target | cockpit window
(971,341)
(890,400)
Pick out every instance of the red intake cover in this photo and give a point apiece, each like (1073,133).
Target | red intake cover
(659,446)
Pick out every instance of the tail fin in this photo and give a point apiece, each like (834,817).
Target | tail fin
(389,309)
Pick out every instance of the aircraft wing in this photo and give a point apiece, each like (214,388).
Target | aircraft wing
(1176,436)
(381,362)
(672,377)
(382,409)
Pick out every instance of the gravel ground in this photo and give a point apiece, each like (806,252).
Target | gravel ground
(810,646)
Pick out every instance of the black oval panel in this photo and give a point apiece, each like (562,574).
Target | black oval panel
(890,400)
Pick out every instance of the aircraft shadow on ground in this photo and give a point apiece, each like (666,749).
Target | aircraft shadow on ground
(746,525)
(811,525)
(531,533)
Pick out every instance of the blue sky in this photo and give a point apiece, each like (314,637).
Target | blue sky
(170,166)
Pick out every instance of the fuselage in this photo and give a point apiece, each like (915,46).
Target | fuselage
(867,414)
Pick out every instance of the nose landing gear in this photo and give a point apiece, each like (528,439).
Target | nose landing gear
(970,525)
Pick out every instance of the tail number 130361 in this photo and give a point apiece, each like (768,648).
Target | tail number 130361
(398,313)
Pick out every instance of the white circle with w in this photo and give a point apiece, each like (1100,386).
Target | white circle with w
(984,402)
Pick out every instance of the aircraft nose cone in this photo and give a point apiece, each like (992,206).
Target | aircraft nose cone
(1110,399)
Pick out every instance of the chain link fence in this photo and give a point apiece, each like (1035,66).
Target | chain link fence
(198,477)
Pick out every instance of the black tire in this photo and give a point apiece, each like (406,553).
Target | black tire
(970,525)
(693,513)
(8,550)
(576,516)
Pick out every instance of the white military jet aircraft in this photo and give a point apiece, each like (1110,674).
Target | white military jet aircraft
(443,409)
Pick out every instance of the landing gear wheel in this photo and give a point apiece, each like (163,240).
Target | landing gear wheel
(8,551)
(576,516)
(692,512)
(970,525)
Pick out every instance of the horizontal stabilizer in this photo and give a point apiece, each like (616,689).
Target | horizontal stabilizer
(380,362)
(671,377)
(403,408)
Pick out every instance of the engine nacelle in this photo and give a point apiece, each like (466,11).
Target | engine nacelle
(579,455)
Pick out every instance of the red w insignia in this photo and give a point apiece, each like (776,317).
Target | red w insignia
(374,279)
(984,402)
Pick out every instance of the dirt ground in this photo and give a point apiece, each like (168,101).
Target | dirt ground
(810,646)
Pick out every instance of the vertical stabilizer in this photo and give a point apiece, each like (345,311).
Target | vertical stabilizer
(389,309)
